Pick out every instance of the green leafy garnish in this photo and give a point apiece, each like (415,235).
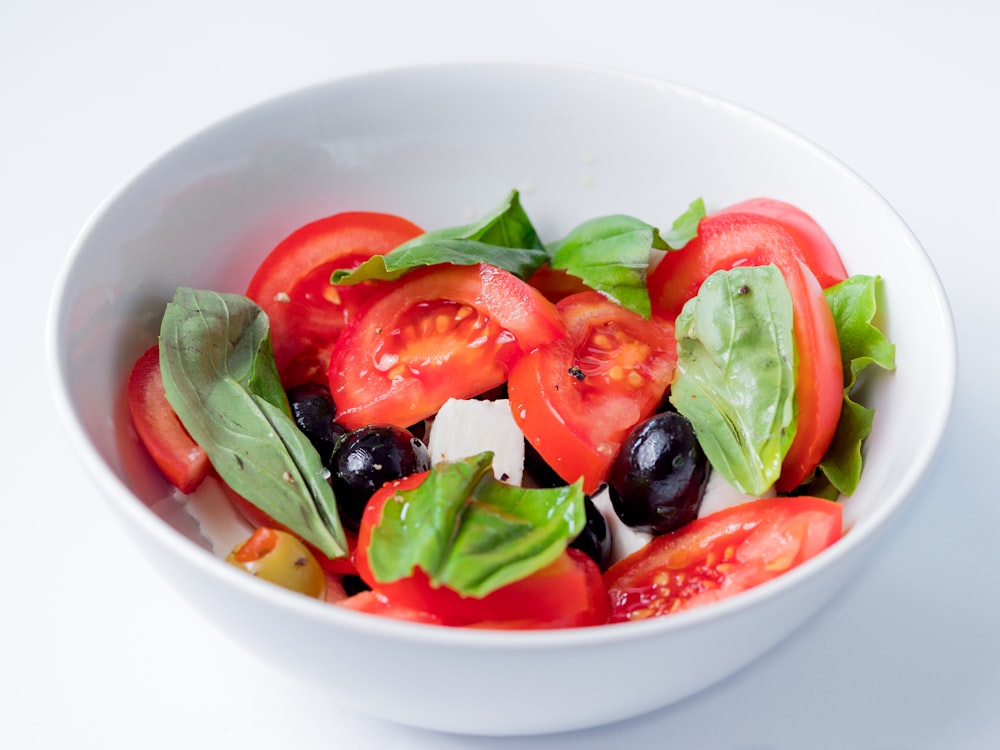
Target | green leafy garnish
(854,304)
(611,254)
(685,227)
(220,377)
(470,532)
(736,373)
(505,238)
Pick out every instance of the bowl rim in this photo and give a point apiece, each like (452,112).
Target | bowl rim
(108,484)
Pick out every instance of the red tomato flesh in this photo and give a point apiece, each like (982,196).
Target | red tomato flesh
(726,241)
(292,285)
(721,555)
(179,457)
(444,332)
(577,398)
(566,593)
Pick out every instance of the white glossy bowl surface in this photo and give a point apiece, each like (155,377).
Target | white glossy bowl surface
(440,145)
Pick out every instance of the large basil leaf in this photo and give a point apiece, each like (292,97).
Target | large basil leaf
(736,373)
(471,532)
(505,238)
(219,375)
(854,304)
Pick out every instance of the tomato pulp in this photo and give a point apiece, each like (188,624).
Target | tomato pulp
(726,241)
(292,285)
(443,332)
(721,555)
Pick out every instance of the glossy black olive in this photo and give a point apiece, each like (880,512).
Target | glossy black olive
(315,414)
(367,458)
(595,539)
(658,478)
(537,472)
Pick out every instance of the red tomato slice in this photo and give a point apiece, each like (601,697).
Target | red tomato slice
(721,555)
(817,249)
(725,241)
(179,457)
(293,287)
(577,398)
(445,332)
(567,593)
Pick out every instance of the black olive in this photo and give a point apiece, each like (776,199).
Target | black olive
(595,539)
(315,414)
(658,478)
(538,472)
(353,585)
(367,458)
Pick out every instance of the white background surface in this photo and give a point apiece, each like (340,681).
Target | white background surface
(97,652)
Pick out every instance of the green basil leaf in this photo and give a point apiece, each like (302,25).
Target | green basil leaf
(505,238)
(854,304)
(470,532)
(611,255)
(219,375)
(736,373)
(685,226)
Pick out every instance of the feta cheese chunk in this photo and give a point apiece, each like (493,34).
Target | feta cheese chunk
(624,539)
(467,427)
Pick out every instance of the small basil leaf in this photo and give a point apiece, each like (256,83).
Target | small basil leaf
(854,304)
(685,227)
(611,255)
(219,376)
(505,238)
(471,532)
(736,373)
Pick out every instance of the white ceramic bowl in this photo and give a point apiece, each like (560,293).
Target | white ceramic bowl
(438,145)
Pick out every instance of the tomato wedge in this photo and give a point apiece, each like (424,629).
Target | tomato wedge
(444,332)
(576,398)
(179,457)
(721,555)
(725,241)
(567,593)
(818,251)
(293,287)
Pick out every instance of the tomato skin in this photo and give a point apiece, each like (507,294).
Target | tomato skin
(293,287)
(177,455)
(443,332)
(577,398)
(818,251)
(721,555)
(374,603)
(567,593)
(726,241)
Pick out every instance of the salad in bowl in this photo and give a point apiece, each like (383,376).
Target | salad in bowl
(618,381)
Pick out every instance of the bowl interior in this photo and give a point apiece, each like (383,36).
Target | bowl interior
(439,146)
